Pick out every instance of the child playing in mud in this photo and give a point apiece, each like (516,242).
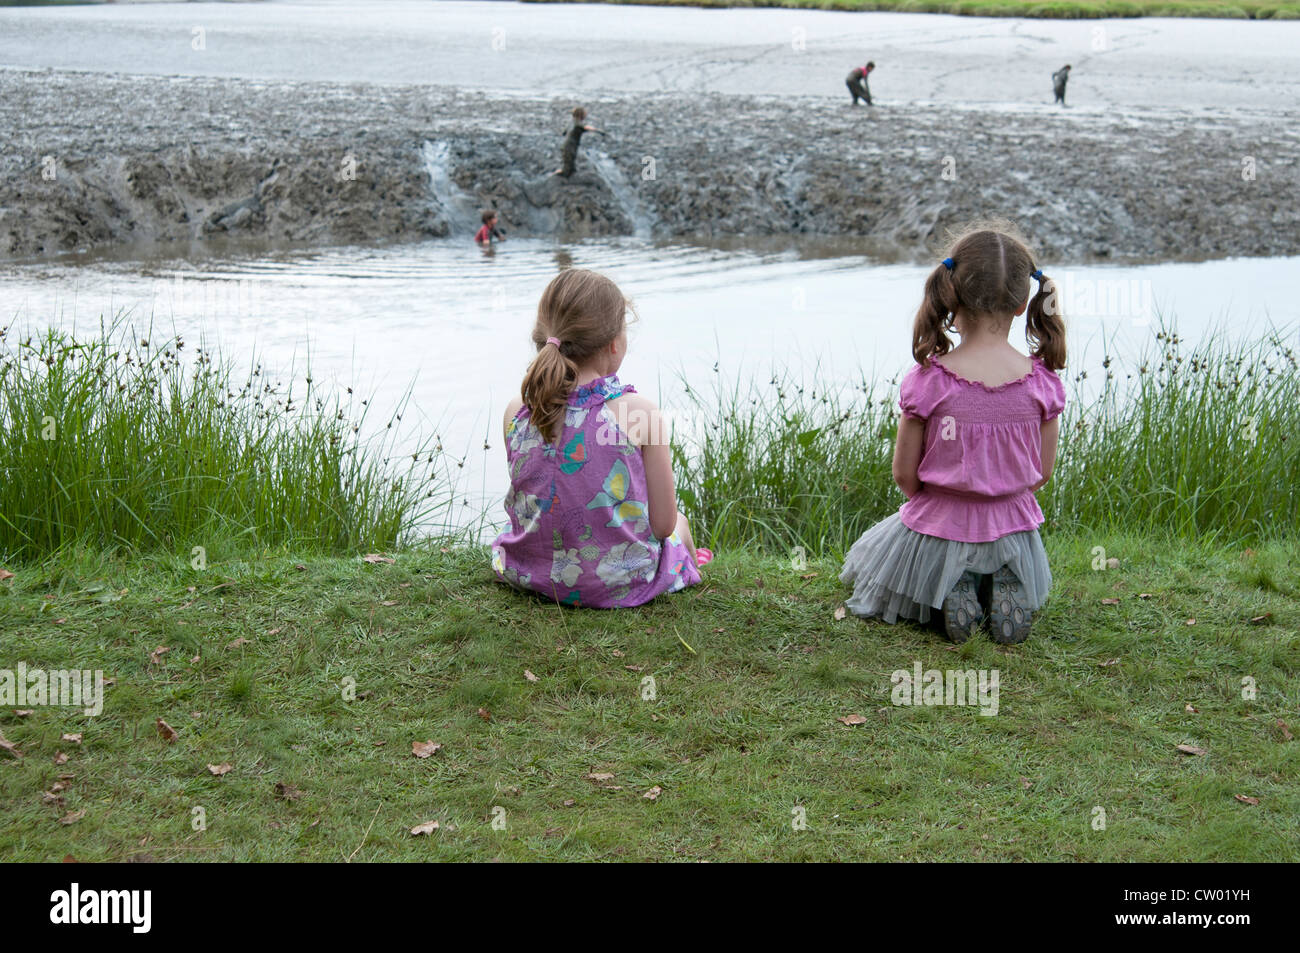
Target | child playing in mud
(489,233)
(592,503)
(857,83)
(977,437)
(1059,79)
(571,141)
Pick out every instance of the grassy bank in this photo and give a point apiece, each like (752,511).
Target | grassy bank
(1052,9)
(1187,442)
(249,662)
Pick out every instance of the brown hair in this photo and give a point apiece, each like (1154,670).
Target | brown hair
(990,275)
(489,214)
(585,311)
(579,113)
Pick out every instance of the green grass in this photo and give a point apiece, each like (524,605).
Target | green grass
(743,729)
(1190,443)
(120,439)
(1053,9)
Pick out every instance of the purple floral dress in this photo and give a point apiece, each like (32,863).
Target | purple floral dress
(579,514)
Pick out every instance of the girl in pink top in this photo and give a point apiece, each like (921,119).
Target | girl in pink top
(977,437)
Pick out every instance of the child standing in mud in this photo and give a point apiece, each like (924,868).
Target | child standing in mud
(857,83)
(571,141)
(1059,79)
(976,439)
(592,502)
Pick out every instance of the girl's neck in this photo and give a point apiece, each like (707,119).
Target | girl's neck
(588,374)
(986,333)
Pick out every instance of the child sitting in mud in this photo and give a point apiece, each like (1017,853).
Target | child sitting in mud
(977,437)
(592,502)
(489,233)
(571,141)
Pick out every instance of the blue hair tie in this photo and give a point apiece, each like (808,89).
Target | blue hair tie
(1037,275)
(948,263)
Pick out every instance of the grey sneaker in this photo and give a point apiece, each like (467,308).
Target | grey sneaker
(962,612)
(1009,613)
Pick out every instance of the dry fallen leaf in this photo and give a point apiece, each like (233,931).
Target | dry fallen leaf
(155,657)
(1261,619)
(23,712)
(72,817)
(599,776)
(1109,662)
(60,758)
(219,769)
(422,749)
(428,827)
(485,714)
(618,653)
(1191,709)
(238,642)
(530,676)
(1026,783)
(1144,595)
(300,567)
(5,574)
(1286,731)
(1192,749)
(389,602)
(275,632)
(167,732)
(1110,602)
(569,802)
(853,719)
(635,668)
(377,558)
(1247,799)
(840,613)
(6,745)
(807,575)
(1190,622)
(74,737)
(653,793)
(286,792)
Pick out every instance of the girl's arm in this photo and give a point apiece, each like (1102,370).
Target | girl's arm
(907,454)
(648,430)
(1051,436)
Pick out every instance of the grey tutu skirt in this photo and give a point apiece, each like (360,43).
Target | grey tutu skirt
(898,573)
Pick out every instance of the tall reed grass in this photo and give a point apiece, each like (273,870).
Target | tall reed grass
(1182,443)
(124,441)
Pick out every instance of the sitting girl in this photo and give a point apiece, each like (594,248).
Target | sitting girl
(592,505)
(977,437)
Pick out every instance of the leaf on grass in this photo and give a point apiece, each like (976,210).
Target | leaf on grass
(1191,709)
(1247,799)
(219,769)
(377,558)
(1110,602)
(23,712)
(635,668)
(530,676)
(1026,783)
(422,749)
(807,575)
(599,776)
(853,719)
(60,758)
(1144,595)
(300,567)
(275,632)
(840,613)
(1109,662)
(1286,731)
(1192,749)
(1190,622)
(485,714)
(389,602)
(167,732)
(653,793)
(286,792)
(6,745)
(238,642)
(1261,619)
(72,817)
(155,657)
(1112,563)
(5,574)
(619,653)
(428,827)
(74,737)
(569,802)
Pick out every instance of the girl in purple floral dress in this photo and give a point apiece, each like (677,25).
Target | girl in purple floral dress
(592,503)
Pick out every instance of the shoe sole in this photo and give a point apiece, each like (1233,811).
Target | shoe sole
(1009,614)
(962,612)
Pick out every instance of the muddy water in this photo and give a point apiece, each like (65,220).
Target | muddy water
(452,323)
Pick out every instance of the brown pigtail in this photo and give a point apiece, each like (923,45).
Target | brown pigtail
(547,384)
(929,337)
(1044,325)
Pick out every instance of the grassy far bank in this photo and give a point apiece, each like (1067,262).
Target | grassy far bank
(1052,9)
(742,730)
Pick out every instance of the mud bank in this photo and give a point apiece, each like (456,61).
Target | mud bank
(97,161)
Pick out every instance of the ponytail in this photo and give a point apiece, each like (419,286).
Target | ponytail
(929,337)
(545,392)
(1044,326)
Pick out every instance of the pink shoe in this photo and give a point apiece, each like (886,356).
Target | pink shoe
(703,556)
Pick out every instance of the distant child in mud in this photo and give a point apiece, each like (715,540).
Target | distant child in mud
(1059,79)
(572,139)
(592,502)
(489,233)
(976,438)
(857,83)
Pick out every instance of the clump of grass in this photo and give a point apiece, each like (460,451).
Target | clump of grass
(1203,444)
(123,440)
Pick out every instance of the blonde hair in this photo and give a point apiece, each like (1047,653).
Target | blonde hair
(990,275)
(584,310)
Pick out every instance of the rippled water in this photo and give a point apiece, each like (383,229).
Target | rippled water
(453,323)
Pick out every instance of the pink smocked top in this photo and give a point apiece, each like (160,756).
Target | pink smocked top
(983,451)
